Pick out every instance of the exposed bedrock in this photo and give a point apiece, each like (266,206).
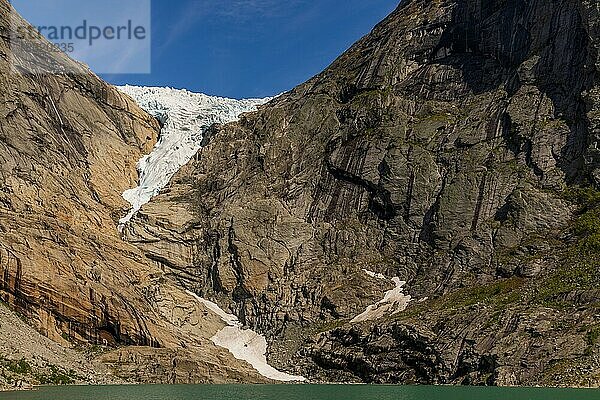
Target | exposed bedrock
(69,144)
(438,142)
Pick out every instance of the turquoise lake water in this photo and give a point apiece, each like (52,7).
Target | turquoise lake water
(298,392)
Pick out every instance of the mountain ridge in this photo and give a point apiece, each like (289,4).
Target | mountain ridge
(416,154)
(453,148)
(69,146)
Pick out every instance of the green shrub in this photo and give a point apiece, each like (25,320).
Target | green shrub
(56,377)
(592,336)
(587,197)
(20,367)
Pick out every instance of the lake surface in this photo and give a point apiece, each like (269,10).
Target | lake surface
(298,392)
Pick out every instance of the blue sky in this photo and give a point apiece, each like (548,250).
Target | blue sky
(116,55)
(251,48)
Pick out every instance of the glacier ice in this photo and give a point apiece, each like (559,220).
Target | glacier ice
(185,116)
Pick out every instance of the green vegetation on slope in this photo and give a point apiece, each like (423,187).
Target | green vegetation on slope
(581,260)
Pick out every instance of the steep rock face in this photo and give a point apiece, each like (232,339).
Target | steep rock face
(434,146)
(28,358)
(69,144)
(63,140)
(473,344)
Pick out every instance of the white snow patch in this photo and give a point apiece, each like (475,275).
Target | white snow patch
(374,274)
(229,319)
(249,346)
(185,117)
(394,301)
(245,344)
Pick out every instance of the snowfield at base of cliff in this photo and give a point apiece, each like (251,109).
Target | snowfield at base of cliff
(245,344)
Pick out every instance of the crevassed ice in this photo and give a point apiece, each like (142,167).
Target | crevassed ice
(245,344)
(185,117)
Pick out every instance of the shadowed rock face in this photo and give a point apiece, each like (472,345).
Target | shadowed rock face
(434,146)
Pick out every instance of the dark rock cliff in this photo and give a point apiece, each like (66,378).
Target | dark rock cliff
(442,148)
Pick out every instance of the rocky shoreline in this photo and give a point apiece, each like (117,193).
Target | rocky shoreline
(28,359)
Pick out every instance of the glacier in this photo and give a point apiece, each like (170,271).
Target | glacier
(184,116)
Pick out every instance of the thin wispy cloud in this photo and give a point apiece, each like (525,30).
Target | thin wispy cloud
(246,9)
(250,48)
(234,11)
